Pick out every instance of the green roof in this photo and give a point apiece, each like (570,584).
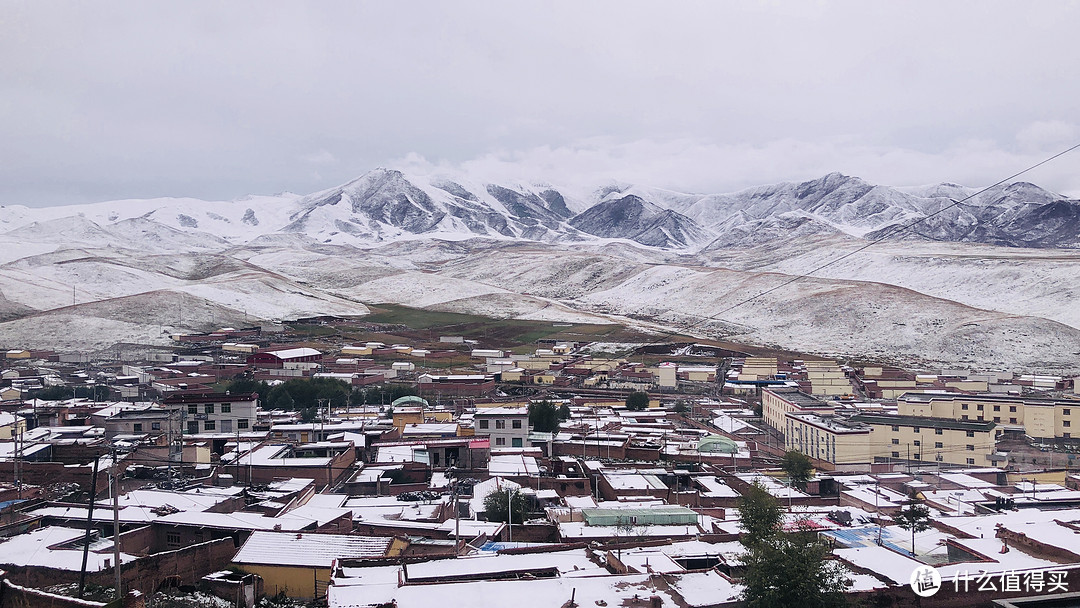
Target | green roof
(409,399)
(717,443)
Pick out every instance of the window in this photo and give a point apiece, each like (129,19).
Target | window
(500,441)
(1012,409)
(917,442)
(896,428)
(155,426)
(516,442)
(226,408)
(1065,411)
(483,424)
(971,461)
(516,424)
(970,448)
(896,441)
(136,428)
(938,432)
(971,433)
(917,456)
(193,409)
(208,408)
(997,418)
(209,425)
(172,539)
(997,408)
(500,424)
(963,406)
(939,458)
(1065,423)
(896,454)
(915,429)
(1066,435)
(979,407)
(242,423)
(938,444)
(964,417)
(1012,420)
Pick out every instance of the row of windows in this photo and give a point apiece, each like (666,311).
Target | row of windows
(938,458)
(211,425)
(940,431)
(1012,409)
(209,408)
(515,442)
(501,424)
(138,427)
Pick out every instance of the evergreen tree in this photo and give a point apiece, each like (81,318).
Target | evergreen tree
(784,569)
(799,468)
(914,517)
(564,412)
(544,417)
(637,401)
(495,505)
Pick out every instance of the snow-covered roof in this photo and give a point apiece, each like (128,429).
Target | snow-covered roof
(308,550)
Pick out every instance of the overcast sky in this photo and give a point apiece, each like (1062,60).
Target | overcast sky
(105,100)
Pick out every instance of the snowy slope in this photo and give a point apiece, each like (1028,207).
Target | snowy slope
(989,283)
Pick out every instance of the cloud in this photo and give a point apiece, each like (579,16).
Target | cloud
(123,99)
(705,167)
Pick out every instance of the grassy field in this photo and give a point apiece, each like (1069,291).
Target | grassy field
(506,333)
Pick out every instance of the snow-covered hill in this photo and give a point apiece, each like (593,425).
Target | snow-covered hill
(989,282)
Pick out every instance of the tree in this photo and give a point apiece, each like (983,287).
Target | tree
(680,406)
(914,517)
(784,569)
(564,412)
(637,400)
(495,505)
(798,467)
(760,514)
(544,417)
(792,569)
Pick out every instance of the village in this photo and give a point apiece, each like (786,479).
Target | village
(412,469)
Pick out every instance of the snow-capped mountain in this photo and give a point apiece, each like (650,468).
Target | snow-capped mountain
(986,280)
(385,205)
(631,217)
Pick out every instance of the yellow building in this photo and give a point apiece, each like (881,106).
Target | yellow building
(1040,418)
(11,425)
(826,378)
(298,564)
(866,438)
(777,402)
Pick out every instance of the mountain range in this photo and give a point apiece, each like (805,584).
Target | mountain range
(979,264)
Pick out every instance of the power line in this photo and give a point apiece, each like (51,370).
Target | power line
(889,233)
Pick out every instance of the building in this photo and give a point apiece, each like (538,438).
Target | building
(143,422)
(866,438)
(1039,418)
(298,565)
(505,426)
(777,402)
(915,438)
(206,412)
(11,425)
(828,438)
(289,358)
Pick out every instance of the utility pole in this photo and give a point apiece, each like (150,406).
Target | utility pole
(18,458)
(114,480)
(89,527)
